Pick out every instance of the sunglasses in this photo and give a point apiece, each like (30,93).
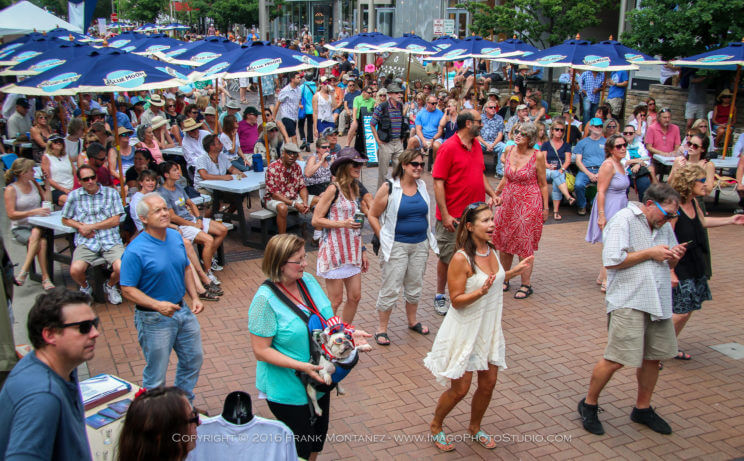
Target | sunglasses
(88,178)
(194,418)
(693,145)
(665,109)
(667,216)
(559,129)
(611,126)
(417,164)
(621,145)
(491,107)
(430,102)
(702,180)
(370,92)
(324,147)
(292,154)
(522,133)
(643,115)
(629,133)
(84,326)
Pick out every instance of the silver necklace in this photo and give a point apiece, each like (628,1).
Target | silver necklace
(483,255)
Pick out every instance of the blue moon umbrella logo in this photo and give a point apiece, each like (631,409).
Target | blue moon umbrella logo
(415,48)
(716,58)
(129,48)
(265,66)
(491,51)
(341,44)
(172,72)
(58,82)
(634,57)
(385,45)
(25,56)
(305,59)
(156,48)
(551,58)
(453,53)
(443,46)
(125,78)
(46,65)
(119,43)
(6,51)
(205,56)
(219,67)
(596,61)
(176,52)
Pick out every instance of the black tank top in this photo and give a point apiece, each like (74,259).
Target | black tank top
(694,263)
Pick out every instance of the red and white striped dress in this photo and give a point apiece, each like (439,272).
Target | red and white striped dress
(340,252)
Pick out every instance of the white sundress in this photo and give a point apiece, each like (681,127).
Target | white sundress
(470,338)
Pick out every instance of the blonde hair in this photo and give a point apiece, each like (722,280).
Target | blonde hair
(698,123)
(346,182)
(684,180)
(19,166)
(202,102)
(278,251)
(48,149)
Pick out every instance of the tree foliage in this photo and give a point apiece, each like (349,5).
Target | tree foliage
(142,10)
(671,28)
(56,7)
(543,23)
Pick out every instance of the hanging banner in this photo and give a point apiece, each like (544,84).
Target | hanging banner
(369,140)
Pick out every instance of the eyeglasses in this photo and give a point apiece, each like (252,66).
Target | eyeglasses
(702,180)
(292,154)
(324,147)
(84,326)
(87,178)
(194,418)
(667,215)
(491,107)
(417,164)
(431,102)
(651,103)
(301,261)
(628,133)
(621,146)
(612,126)
(693,145)
(643,115)
(521,133)
(559,129)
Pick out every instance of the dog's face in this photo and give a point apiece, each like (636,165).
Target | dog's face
(337,344)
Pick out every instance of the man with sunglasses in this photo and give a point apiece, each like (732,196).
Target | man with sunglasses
(590,154)
(42,415)
(492,134)
(285,187)
(640,249)
(427,125)
(389,130)
(155,276)
(93,211)
(97,160)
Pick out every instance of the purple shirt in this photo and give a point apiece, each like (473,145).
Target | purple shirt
(248,134)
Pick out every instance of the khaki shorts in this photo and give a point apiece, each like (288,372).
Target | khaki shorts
(190,232)
(272,204)
(445,241)
(83,253)
(632,338)
(616,105)
(405,266)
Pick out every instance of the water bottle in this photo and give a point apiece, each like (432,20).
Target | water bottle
(257,163)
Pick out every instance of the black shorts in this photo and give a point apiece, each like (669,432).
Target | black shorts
(290,125)
(56,194)
(308,439)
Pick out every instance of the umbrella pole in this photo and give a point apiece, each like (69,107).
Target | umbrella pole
(263,121)
(475,82)
(118,155)
(569,123)
(731,111)
(82,112)
(408,74)
(604,87)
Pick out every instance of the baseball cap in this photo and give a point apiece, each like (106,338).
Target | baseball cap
(522,107)
(596,121)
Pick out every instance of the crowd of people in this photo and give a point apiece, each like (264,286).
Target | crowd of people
(164,246)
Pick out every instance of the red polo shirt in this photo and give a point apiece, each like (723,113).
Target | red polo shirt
(665,141)
(462,172)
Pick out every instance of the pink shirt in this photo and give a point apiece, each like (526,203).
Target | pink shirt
(248,134)
(665,141)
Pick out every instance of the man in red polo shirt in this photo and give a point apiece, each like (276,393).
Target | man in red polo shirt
(662,137)
(459,180)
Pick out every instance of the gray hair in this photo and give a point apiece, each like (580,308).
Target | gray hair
(530,130)
(143,209)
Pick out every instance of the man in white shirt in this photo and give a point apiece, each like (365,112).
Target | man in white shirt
(155,109)
(192,141)
(287,108)
(19,122)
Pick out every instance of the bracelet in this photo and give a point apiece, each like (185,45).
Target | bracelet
(600,212)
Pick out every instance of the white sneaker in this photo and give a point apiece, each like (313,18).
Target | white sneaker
(215,266)
(112,293)
(213,278)
(87,290)
(440,305)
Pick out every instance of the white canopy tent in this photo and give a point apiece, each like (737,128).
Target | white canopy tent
(24,17)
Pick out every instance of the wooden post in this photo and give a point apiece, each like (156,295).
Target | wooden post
(570,108)
(731,111)
(263,122)
(604,87)
(118,154)
(408,74)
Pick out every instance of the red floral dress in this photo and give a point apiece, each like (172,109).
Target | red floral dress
(519,218)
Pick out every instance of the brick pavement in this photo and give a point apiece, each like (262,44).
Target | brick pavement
(553,340)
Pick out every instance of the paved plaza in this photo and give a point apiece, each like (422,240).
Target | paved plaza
(553,340)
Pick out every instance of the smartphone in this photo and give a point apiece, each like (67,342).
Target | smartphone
(359,217)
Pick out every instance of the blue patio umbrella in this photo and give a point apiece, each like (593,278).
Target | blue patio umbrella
(156,43)
(20,41)
(472,47)
(175,26)
(148,27)
(65,34)
(580,55)
(126,41)
(49,59)
(411,44)
(515,44)
(258,59)
(730,57)
(634,56)
(366,42)
(199,52)
(30,49)
(444,42)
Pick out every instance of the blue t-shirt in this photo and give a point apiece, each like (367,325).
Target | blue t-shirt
(42,415)
(592,151)
(156,267)
(412,222)
(429,121)
(619,76)
(349,98)
(552,155)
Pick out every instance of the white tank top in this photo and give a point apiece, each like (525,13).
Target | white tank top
(25,202)
(61,170)
(325,111)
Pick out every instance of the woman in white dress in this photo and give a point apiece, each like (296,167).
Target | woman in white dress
(470,338)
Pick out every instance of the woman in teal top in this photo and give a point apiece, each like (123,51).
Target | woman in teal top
(281,344)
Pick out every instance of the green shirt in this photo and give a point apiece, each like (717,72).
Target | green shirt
(269,317)
(360,102)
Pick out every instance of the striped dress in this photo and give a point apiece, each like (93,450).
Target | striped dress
(340,252)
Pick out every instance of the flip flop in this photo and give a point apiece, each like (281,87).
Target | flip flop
(384,336)
(485,440)
(527,293)
(440,441)
(557,217)
(505,287)
(682,356)
(418,328)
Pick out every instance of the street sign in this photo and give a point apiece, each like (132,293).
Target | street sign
(444,27)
